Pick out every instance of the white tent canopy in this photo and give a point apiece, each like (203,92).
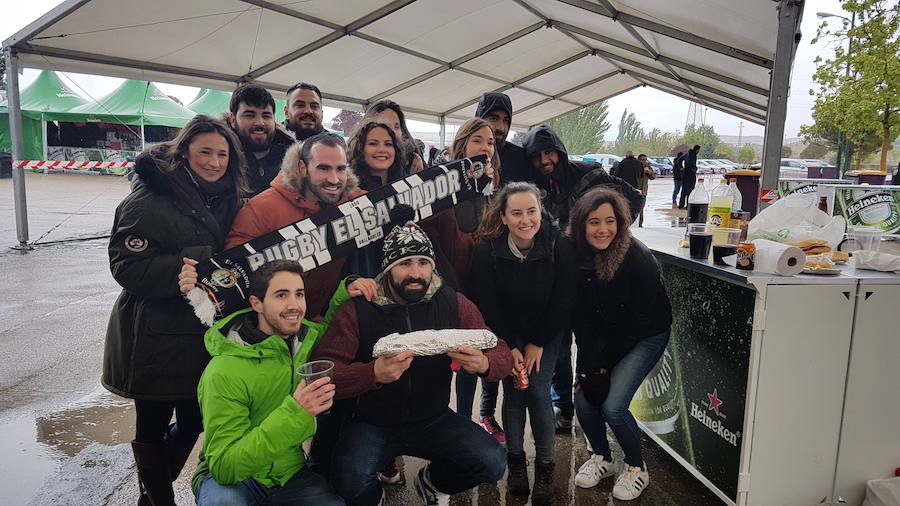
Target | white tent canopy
(433,57)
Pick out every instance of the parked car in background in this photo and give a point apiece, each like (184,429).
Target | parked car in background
(729,164)
(662,160)
(660,169)
(816,163)
(606,160)
(714,166)
(793,168)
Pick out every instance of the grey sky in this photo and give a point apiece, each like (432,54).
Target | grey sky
(654,109)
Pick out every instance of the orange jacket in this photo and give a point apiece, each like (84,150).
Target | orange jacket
(278,207)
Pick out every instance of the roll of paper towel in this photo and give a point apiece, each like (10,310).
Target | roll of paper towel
(778,258)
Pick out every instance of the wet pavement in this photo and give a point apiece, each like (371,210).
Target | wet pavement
(65,439)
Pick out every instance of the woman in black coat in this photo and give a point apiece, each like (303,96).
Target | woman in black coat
(184,198)
(523,281)
(621,322)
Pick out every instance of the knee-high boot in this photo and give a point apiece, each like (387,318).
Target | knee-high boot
(154,476)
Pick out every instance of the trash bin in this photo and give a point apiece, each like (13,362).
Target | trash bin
(5,165)
(748,184)
(829,172)
(873,177)
(814,172)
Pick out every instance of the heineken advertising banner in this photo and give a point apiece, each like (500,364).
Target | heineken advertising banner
(693,399)
(334,232)
(872,206)
(790,186)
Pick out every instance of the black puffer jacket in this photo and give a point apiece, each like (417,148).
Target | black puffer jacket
(610,317)
(571,180)
(154,343)
(525,301)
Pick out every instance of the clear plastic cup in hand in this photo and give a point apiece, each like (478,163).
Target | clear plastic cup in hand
(315,369)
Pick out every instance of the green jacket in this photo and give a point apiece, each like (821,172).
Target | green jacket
(253,426)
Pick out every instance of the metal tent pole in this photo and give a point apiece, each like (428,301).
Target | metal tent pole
(443,131)
(15,131)
(789,13)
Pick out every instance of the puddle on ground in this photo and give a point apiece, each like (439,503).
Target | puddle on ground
(33,447)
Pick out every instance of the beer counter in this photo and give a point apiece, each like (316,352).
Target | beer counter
(775,390)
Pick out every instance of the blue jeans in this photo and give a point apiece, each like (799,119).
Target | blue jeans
(462,455)
(536,399)
(561,388)
(305,487)
(675,191)
(625,378)
(465,394)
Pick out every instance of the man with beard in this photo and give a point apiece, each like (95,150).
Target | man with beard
(303,111)
(313,175)
(496,109)
(253,119)
(400,403)
(256,411)
(564,180)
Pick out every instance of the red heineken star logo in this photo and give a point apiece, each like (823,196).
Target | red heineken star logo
(714,401)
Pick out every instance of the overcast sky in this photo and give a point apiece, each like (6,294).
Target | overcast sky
(654,109)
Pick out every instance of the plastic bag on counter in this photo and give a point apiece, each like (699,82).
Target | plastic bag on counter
(796,218)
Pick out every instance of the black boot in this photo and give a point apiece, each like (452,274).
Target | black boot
(153,474)
(517,479)
(177,452)
(543,483)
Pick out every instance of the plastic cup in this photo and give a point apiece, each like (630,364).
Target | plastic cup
(311,371)
(868,238)
(725,242)
(699,240)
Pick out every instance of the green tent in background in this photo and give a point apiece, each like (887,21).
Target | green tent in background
(216,102)
(47,94)
(132,103)
(211,102)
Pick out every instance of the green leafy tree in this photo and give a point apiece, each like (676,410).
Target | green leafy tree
(2,71)
(814,151)
(786,151)
(630,133)
(747,154)
(346,120)
(582,130)
(655,143)
(705,136)
(859,89)
(726,151)
(681,148)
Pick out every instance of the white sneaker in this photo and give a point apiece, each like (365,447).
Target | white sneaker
(631,483)
(593,470)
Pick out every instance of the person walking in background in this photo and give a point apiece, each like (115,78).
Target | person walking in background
(621,321)
(644,178)
(677,176)
(629,170)
(184,199)
(689,175)
(523,281)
